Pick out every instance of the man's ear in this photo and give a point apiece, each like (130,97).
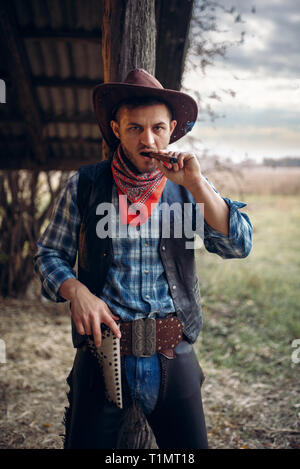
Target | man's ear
(115,128)
(172,126)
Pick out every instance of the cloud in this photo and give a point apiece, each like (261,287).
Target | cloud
(271,40)
(252,141)
(262,114)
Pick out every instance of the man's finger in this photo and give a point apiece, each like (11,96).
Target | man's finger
(97,334)
(79,326)
(112,325)
(86,325)
(180,160)
(165,168)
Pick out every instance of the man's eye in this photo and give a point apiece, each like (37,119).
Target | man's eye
(159,127)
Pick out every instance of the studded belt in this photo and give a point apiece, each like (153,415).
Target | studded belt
(144,337)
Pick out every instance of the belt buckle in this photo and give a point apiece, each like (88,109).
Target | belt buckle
(144,337)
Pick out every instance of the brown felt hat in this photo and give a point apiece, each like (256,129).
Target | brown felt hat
(140,84)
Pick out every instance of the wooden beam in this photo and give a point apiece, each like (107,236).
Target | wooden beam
(173,21)
(66,82)
(74,140)
(87,118)
(80,118)
(22,139)
(139,37)
(112,26)
(20,76)
(58,163)
(77,35)
(15,153)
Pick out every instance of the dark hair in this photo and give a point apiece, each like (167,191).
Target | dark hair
(132,103)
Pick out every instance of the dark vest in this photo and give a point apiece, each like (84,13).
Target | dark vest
(95,254)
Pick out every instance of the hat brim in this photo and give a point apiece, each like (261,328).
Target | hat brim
(107,96)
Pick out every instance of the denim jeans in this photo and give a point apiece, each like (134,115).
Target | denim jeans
(143,377)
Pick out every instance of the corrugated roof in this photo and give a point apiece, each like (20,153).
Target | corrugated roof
(58,44)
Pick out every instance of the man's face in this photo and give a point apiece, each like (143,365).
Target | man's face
(142,129)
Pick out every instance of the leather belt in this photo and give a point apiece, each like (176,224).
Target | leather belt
(144,337)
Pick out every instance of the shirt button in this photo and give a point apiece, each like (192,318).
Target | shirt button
(147,297)
(146,244)
(174,287)
(164,248)
(146,271)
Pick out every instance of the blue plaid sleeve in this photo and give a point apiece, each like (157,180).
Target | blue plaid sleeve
(238,243)
(57,247)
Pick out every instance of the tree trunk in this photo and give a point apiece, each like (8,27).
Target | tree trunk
(111,47)
(138,49)
(128,42)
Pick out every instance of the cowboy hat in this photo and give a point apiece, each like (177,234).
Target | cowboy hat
(140,84)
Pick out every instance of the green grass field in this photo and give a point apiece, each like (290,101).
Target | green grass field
(251,306)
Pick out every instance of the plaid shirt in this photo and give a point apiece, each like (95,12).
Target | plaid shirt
(137,271)
(136,283)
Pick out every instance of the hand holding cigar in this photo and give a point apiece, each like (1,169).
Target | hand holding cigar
(183,168)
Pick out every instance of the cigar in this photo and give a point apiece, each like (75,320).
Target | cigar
(160,157)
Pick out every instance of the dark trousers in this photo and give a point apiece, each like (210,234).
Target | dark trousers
(177,420)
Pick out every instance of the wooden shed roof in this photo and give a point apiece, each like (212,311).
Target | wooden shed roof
(50,62)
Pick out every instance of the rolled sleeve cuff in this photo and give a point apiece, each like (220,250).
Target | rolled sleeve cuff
(238,243)
(53,282)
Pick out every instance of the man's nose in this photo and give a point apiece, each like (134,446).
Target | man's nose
(147,137)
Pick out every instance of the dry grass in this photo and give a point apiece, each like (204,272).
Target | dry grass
(40,355)
(258,180)
(256,416)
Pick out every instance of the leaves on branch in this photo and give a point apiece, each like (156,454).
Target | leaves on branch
(207,43)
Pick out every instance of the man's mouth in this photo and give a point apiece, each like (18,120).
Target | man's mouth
(161,156)
(147,154)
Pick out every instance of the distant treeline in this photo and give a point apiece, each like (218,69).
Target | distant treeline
(286,161)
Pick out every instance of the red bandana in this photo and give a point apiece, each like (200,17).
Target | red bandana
(144,191)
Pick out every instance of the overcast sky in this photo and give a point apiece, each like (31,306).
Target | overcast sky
(263,118)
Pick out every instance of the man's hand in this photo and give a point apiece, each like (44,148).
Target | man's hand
(88,311)
(187,172)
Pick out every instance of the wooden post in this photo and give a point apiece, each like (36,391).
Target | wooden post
(111,47)
(139,37)
(128,41)
(111,38)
